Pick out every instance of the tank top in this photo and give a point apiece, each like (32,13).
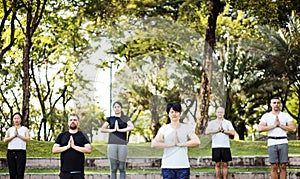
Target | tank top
(17,143)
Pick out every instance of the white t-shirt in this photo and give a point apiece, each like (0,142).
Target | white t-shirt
(269,119)
(17,143)
(220,140)
(175,157)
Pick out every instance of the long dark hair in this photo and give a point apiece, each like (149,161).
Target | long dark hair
(120,104)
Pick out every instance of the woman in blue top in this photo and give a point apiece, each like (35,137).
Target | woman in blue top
(117,126)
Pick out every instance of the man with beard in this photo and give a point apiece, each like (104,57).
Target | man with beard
(72,145)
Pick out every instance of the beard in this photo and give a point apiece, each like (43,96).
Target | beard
(73,126)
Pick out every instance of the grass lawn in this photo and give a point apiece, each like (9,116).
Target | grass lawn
(238,148)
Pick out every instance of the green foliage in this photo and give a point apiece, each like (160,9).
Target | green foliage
(274,13)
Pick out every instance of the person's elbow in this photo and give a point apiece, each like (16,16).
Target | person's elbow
(88,149)
(198,142)
(153,144)
(131,128)
(294,129)
(54,151)
(259,129)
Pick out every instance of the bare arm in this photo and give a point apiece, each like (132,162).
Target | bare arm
(158,143)
(130,127)
(105,128)
(290,127)
(230,132)
(208,131)
(25,138)
(194,141)
(9,138)
(87,148)
(262,127)
(58,149)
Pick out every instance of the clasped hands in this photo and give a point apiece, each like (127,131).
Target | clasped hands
(116,127)
(176,141)
(16,133)
(277,122)
(71,143)
(220,129)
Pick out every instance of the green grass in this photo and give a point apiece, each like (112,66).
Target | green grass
(238,148)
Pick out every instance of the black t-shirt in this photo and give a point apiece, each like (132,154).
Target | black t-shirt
(118,137)
(72,160)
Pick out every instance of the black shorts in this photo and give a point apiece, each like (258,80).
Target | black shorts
(68,175)
(221,154)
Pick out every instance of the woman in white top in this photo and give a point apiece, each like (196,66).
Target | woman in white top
(175,138)
(16,137)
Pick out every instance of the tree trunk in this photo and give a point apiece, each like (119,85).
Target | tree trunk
(298,117)
(26,80)
(204,92)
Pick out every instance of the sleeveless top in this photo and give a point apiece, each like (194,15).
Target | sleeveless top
(17,143)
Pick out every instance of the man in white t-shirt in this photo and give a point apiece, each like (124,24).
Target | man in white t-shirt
(220,129)
(277,123)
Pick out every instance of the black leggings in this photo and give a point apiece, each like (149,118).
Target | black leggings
(16,160)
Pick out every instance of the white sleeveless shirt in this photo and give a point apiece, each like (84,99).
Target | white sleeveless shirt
(17,143)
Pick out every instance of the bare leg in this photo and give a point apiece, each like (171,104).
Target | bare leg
(282,170)
(217,168)
(274,171)
(225,170)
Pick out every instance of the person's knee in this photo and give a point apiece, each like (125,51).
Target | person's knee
(218,164)
(274,167)
(113,167)
(122,166)
(224,164)
(282,166)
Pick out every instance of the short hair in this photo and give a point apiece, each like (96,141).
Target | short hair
(17,113)
(220,108)
(275,97)
(175,106)
(73,114)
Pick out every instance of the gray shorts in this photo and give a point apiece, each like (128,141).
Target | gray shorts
(278,153)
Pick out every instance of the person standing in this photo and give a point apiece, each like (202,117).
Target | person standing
(72,146)
(277,123)
(175,138)
(16,136)
(117,126)
(220,129)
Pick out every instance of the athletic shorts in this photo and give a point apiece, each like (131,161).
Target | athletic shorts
(175,173)
(278,153)
(221,154)
(68,175)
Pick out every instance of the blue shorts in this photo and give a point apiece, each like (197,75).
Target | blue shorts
(278,153)
(175,173)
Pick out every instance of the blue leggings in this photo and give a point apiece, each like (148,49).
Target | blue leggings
(117,157)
